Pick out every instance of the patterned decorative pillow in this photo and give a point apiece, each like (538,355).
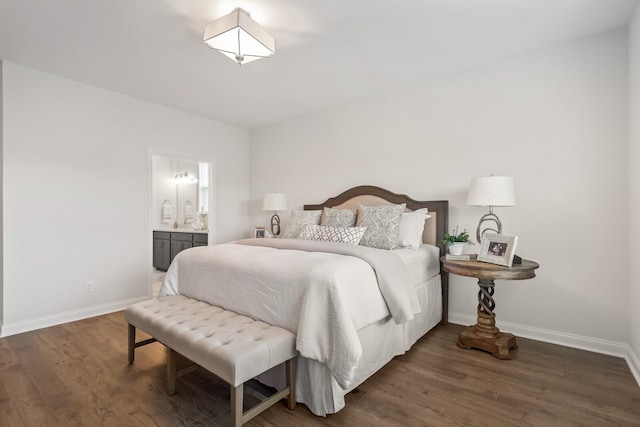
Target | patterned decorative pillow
(350,235)
(338,217)
(411,228)
(298,220)
(383,225)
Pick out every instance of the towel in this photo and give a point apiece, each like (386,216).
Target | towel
(166,212)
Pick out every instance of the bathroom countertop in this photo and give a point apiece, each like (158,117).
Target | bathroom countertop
(180,230)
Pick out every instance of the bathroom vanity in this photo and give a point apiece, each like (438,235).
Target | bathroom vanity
(167,244)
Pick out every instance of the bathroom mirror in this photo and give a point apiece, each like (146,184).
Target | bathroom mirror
(180,193)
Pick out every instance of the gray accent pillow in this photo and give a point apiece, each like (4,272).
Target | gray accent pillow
(351,235)
(383,225)
(338,217)
(298,219)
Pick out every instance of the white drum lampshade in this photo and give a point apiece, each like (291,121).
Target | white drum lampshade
(491,191)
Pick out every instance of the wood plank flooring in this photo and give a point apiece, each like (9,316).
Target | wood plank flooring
(77,375)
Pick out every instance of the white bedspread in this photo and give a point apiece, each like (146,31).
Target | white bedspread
(303,286)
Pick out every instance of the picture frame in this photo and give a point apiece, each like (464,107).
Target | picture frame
(259,232)
(497,249)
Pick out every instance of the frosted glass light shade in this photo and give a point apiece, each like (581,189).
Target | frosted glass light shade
(239,37)
(492,191)
(274,202)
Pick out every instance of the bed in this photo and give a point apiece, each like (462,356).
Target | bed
(353,308)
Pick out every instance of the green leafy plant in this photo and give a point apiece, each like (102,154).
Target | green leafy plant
(449,239)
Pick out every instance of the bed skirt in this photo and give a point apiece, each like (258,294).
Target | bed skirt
(381,342)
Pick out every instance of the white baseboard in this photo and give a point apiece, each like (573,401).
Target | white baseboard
(596,345)
(634,363)
(65,317)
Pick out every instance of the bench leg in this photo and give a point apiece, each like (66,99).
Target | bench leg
(236,405)
(171,371)
(291,383)
(238,417)
(132,342)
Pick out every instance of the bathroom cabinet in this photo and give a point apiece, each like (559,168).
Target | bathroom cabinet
(166,245)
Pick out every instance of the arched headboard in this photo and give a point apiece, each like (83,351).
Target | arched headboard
(369,195)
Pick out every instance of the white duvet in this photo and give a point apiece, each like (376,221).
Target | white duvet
(324,292)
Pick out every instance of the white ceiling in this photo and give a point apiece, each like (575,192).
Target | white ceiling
(328,52)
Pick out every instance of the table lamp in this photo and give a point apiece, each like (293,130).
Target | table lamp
(274,202)
(491,191)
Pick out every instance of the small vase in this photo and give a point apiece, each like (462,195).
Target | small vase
(456,248)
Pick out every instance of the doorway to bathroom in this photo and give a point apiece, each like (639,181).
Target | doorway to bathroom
(180,213)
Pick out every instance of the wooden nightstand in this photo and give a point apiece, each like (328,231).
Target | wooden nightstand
(484,335)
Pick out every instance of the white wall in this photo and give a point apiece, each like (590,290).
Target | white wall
(555,120)
(76,193)
(1,202)
(634,190)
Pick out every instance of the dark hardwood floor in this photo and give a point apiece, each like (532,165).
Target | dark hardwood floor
(77,375)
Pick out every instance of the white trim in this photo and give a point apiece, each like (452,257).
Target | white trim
(65,317)
(634,363)
(596,345)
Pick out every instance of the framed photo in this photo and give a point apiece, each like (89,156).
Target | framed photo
(259,232)
(497,249)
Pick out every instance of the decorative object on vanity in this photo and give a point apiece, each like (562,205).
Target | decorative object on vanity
(498,249)
(200,222)
(491,191)
(239,37)
(484,335)
(259,232)
(185,179)
(274,202)
(455,241)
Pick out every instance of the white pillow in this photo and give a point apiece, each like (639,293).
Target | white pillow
(298,220)
(351,235)
(411,228)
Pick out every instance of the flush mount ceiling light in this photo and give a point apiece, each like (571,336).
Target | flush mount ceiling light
(239,37)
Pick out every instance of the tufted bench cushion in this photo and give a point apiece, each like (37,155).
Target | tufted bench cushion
(235,348)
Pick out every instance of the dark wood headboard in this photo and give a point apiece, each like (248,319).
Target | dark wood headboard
(435,227)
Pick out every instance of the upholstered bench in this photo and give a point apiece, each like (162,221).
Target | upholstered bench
(233,347)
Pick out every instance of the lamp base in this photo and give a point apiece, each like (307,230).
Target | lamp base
(275,225)
(489,217)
